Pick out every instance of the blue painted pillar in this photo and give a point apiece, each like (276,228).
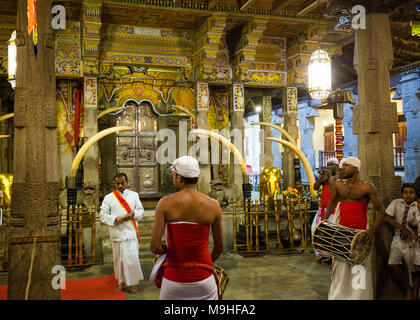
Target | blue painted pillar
(350,145)
(409,88)
(305,116)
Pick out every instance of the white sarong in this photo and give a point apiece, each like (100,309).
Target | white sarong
(127,267)
(350,282)
(200,290)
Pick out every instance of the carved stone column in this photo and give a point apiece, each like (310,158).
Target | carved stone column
(91,37)
(276,147)
(203,99)
(375,119)
(35,221)
(306,116)
(237,132)
(350,139)
(90,128)
(266,158)
(290,125)
(409,88)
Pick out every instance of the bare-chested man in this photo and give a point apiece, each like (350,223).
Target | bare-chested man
(186,218)
(327,180)
(354,196)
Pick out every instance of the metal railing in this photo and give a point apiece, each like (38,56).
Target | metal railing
(325,156)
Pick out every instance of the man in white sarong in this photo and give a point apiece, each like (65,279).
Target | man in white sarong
(350,282)
(120,210)
(326,179)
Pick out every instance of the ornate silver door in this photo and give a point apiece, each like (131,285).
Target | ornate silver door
(136,150)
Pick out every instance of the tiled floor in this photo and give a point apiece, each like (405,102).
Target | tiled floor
(265,277)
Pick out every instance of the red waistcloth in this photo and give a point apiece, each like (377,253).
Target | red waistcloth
(187,243)
(353,214)
(326,196)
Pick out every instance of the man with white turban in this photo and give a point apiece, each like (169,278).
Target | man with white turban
(353,282)
(326,179)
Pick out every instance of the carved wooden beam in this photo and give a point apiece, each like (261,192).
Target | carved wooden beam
(212,3)
(307,8)
(279,5)
(244,5)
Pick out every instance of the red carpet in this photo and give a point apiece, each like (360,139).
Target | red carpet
(86,289)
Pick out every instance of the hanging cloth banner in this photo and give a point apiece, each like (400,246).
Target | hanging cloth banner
(32,25)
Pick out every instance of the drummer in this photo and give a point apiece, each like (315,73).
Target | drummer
(327,180)
(354,195)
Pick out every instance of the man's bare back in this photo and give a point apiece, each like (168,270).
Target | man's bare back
(192,206)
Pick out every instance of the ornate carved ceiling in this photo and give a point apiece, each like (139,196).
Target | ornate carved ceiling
(286,19)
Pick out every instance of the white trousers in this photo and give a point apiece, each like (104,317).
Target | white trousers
(201,290)
(127,267)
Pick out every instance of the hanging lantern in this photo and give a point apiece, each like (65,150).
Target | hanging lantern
(319,75)
(12,59)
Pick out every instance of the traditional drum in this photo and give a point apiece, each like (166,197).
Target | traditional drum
(343,243)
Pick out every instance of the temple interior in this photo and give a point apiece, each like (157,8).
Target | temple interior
(262,92)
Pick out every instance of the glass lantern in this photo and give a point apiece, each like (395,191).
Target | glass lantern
(12,57)
(319,75)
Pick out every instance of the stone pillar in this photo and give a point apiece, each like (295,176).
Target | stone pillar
(91,38)
(203,100)
(275,147)
(266,157)
(350,139)
(90,128)
(290,125)
(237,133)
(409,87)
(35,169)
(375,120)
(306,120)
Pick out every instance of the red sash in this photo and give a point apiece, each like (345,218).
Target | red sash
(127,208)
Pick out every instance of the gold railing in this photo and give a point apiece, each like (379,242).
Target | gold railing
(251,216)
(78,218)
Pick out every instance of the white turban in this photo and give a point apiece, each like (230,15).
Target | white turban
(333,160)
(353,161)
(186,166)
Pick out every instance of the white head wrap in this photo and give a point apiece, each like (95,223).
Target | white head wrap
(186,166)
(353,161)
(333,160)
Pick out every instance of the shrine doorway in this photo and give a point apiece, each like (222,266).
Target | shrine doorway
(136,150)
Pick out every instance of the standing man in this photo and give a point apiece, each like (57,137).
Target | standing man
(120,210)
(354,196)
(186,218)
(326,179)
